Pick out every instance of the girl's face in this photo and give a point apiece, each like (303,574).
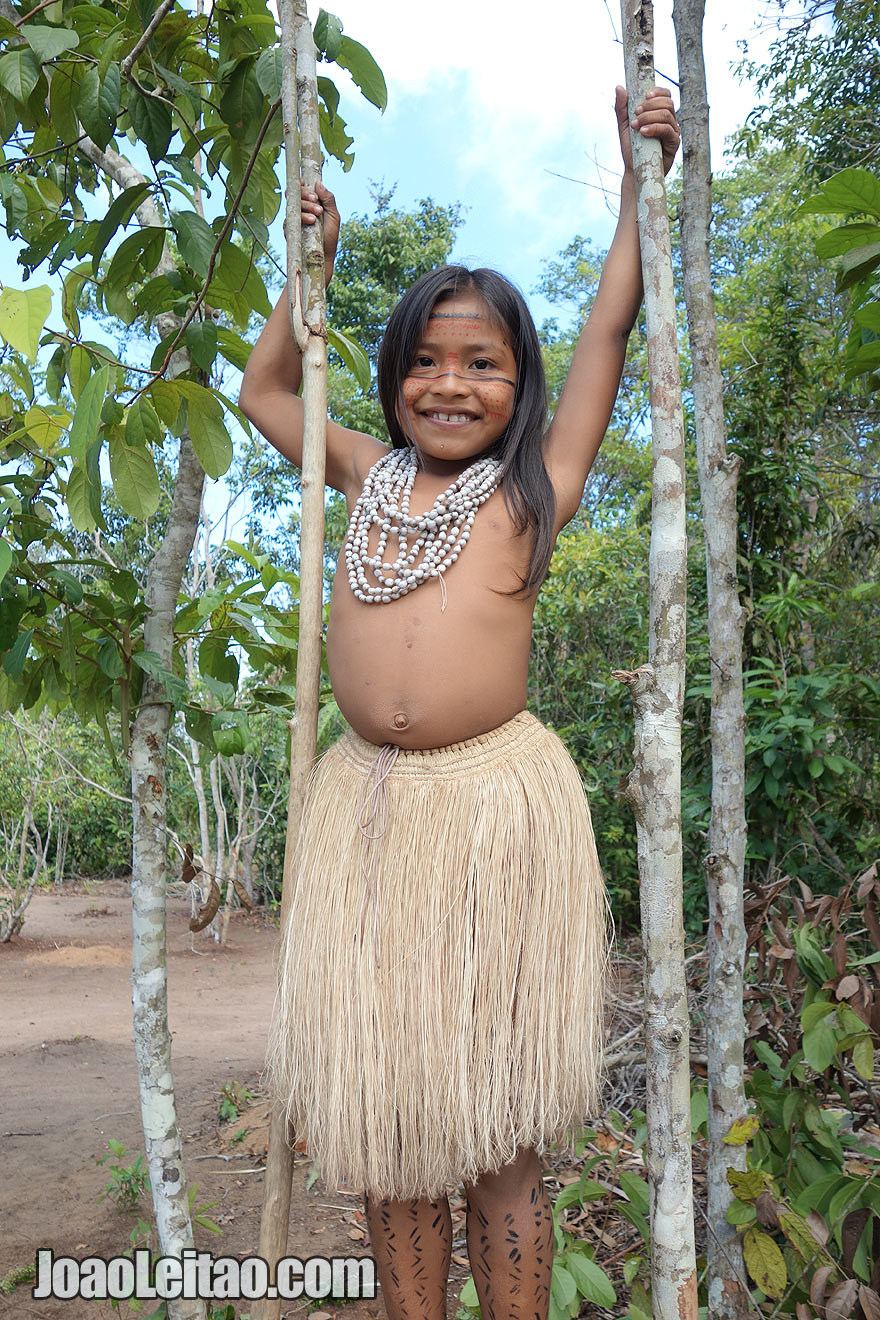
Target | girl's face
(458,393)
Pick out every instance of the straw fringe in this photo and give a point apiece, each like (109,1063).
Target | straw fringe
(481,1030)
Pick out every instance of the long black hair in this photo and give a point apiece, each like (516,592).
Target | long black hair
(525,483)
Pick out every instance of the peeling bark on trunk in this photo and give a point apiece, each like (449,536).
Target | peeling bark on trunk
(657,690)
(305,269)
(149,753)
(718,472)
(149,750)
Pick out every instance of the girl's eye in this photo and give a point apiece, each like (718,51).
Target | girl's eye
(422,362)
(481,364)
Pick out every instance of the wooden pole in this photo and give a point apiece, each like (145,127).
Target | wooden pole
(305,270)
(725,860)
(657,690)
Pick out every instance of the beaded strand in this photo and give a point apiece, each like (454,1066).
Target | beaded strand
(443,531)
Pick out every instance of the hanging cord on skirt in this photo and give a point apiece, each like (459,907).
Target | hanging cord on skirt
(374,800)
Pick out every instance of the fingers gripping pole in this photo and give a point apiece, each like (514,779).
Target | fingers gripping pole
(305,265)
(657,690)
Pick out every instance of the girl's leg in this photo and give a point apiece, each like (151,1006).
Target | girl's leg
(510,1240)
(412,1246)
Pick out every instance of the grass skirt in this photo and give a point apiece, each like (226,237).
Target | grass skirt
(440,982)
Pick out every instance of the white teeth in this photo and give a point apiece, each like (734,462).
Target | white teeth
(449,417)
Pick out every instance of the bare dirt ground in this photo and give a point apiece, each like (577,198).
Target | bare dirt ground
(68,1085)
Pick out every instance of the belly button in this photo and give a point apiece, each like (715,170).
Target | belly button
(400,720)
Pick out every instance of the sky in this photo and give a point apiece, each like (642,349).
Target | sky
(491,100)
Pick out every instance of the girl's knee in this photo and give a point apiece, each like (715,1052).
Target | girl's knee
(522,1174)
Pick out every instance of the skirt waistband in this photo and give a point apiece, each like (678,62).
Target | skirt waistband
(475,753)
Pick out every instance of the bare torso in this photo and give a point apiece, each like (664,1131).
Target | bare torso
(404,672)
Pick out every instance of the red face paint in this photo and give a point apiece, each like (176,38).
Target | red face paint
(459,391)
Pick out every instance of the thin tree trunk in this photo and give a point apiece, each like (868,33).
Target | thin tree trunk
(724,864)
(657,690)
(149,754)
(305,268)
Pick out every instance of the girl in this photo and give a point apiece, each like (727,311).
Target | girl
(440,995)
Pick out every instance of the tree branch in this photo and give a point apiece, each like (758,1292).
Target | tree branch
(125,66)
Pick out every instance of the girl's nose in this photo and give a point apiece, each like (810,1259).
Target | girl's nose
(449,379)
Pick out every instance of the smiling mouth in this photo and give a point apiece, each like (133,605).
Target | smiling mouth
(448,418)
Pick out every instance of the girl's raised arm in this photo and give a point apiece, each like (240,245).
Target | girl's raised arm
(587,401)
(273,375)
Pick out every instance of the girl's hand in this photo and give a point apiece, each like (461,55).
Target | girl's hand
(654,117)
(320,201)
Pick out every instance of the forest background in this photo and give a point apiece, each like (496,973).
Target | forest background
(804,425)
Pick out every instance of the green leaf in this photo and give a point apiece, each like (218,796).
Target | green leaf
(845,237)
(87,417)
(46,425)
(48,42)
(636,1218)
(352,355)
(119,212)
(815,1012)
(771,1060)
(207,431)
(235,349)
(79,369)
(335,138)
(738,1213)
(62,113)
(5,557)
(592,1281)
(820,1045)
(19,72)
(268,71)
(765,1262)
(635,1189)
(364,70)
(73,282)
(68,648)
(151,664)
(71,587)
(699,1108)
(195,238)
(14,662)
(135,479)
(327,34)
(166,400)
(142,426)
(98,103)
(201,339)
(216,663)
(23,314)
(241,104)
(562,1286)
(868,318)
(857,264)
(469,1294)
(231,732)
(79,502)
(151,120)
(863,1058)
(137,256)
(238,285)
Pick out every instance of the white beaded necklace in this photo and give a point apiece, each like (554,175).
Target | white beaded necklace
(443,531)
